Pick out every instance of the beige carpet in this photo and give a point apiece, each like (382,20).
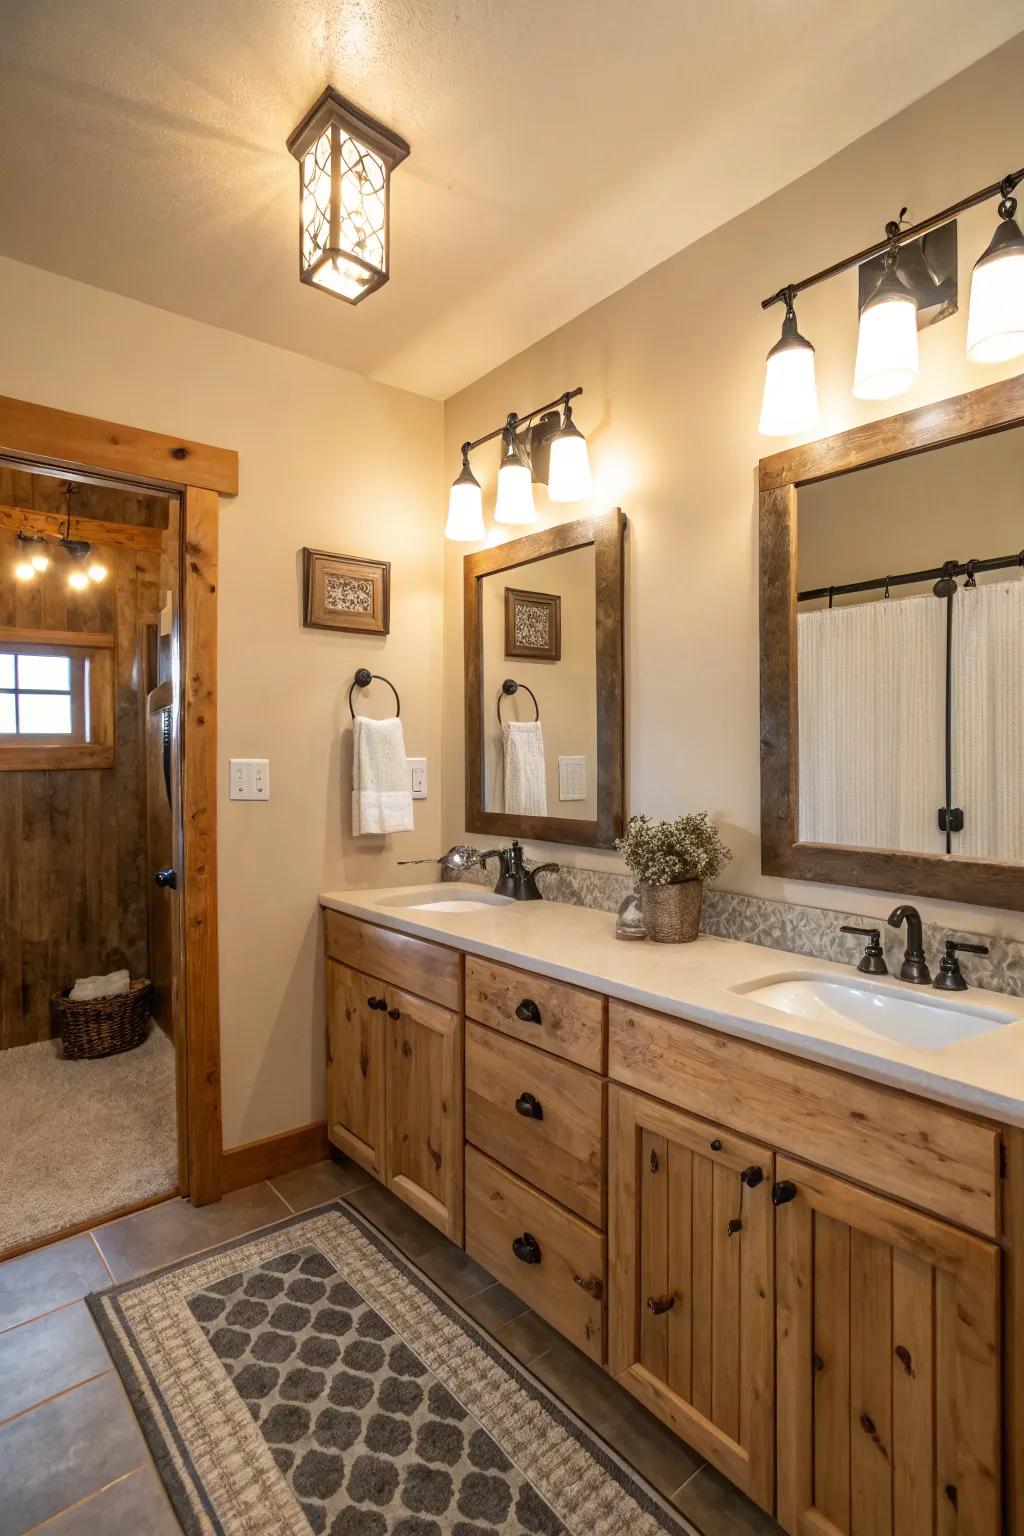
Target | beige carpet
(79,1139)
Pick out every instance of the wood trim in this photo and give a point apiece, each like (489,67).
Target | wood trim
(606,532)
(43,432)
(94,1224)
(982,882)
(94,529)
(1013,1329)
(274,1155)
(22,758)
(200,996)
(70,639)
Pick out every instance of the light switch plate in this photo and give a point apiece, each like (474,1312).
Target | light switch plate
(572,778)
(418,777)
(249,778)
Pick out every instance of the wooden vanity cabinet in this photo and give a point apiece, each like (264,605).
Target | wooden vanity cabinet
(356,1055)
(424,1109)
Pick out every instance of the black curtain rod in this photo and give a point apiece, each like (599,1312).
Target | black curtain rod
(514,420)
(901,237)
(909,578)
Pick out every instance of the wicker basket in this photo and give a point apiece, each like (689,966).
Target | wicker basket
(104,1026)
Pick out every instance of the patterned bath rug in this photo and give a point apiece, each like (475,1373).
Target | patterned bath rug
(308,1378)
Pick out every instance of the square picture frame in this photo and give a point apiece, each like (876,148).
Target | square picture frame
(346,592)
(533,625)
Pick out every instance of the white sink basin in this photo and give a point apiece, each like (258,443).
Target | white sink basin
(446,899)
(927,1023)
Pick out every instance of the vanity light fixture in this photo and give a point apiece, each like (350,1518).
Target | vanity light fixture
(887,352)
(33,558)
(541,446)
(789,404)
(345,162)
(995,321)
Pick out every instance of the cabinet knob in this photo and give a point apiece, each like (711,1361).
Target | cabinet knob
(528,1011)
(394,1013)
(529,1107)
(375,1002)
(166,879)
(526,1248)
(660,1304)
(783,1192)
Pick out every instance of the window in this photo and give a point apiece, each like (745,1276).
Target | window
(56,700)
(36,696)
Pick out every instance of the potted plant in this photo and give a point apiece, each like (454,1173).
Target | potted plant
(671,861)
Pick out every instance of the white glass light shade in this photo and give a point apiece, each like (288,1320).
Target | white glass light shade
(515,490)
(465,523)
(995,322)
(789,404)
(569,465)
(887,357)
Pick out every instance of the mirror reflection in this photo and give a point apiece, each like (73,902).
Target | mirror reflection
(539,687)
(910,643)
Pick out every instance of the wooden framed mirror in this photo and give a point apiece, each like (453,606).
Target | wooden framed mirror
(544,684)
(892,653)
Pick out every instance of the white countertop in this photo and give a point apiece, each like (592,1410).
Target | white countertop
(984,1074)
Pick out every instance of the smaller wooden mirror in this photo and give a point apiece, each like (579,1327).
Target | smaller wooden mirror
(544,684)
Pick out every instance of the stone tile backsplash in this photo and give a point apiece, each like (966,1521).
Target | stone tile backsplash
(797,929)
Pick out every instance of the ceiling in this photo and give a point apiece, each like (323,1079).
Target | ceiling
(558,151)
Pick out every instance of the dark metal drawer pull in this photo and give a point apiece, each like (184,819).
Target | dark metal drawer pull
(783,1192)
(660,1304)
(591,1284)
(376,1002)
(529,1107)
(526,1248)
(528,1011)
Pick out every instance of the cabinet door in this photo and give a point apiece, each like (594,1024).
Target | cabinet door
(691,1276)
(424,1089)
(355,1066)
(888,1366)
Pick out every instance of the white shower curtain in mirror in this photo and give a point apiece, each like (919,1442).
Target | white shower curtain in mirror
(871,681)
(988,719)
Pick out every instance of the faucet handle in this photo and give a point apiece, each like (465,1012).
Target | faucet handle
(872,962)
(950,977)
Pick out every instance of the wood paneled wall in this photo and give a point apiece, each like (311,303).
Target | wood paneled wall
(73,873)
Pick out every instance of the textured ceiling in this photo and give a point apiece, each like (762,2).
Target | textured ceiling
(558,151)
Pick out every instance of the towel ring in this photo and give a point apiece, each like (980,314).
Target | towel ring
(363,678)
(509,687)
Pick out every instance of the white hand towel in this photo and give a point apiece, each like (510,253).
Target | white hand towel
(525,771)
(88,988)
(381,791)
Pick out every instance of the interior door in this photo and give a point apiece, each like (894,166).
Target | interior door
(690,1267)
(888,1366)
(356,1049)
(424,1099)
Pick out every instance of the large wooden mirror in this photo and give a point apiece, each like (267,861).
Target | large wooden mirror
(544,695)
(892,653)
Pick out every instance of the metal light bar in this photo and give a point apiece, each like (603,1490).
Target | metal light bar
(902,237)
(514,420)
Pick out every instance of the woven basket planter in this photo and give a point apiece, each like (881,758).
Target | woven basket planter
(105,1026)
(672,912)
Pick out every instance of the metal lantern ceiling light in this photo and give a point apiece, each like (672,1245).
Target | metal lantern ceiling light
(345,163)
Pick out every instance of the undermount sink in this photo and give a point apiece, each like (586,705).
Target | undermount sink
(927,1023)
(446,900)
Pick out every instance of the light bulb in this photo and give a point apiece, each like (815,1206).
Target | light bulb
(789,404)
(97,570)
(78,581)
(515,489)
(40,561)
(24,570)
(887,359)
(995,321)
(569,465)
(465,523)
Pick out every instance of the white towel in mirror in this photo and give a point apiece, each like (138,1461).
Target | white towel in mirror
(525,770)
(381,789)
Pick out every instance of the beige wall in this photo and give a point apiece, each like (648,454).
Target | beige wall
(672,368)
(327,459)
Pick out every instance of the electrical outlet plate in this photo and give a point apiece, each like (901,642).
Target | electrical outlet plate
(418,777)
(249,778)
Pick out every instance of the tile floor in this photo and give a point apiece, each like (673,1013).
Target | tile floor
(72,1459)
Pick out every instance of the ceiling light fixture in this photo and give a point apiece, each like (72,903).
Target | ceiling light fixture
(887,349)
(345,163)
(33,558)
(995,321)
(86,566)
(541,446)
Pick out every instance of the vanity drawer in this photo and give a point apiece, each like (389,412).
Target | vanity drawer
(416,965)
(916,1150)
(565,1284)
(565,1020)
(556,1138)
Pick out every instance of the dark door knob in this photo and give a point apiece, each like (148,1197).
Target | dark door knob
(528,1011)
(166,878)
(529,1107)
(526,1248)
(783,1192)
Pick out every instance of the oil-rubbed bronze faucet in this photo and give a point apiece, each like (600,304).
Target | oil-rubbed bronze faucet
(514,878)
(915,966)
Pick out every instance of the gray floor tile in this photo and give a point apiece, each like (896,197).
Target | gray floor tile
(306,1187)
(405,1228)
(719,1509)
(454,1271)
(494,1307)
(47,1356)
(526,1337)
(49,1277)
(175,1229)
(135,1506)
(64,1450)
(636,1435)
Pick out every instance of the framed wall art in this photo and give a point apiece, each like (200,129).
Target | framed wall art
(346,592)
(533,625)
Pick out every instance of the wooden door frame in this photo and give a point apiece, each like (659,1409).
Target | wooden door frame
(200,475)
